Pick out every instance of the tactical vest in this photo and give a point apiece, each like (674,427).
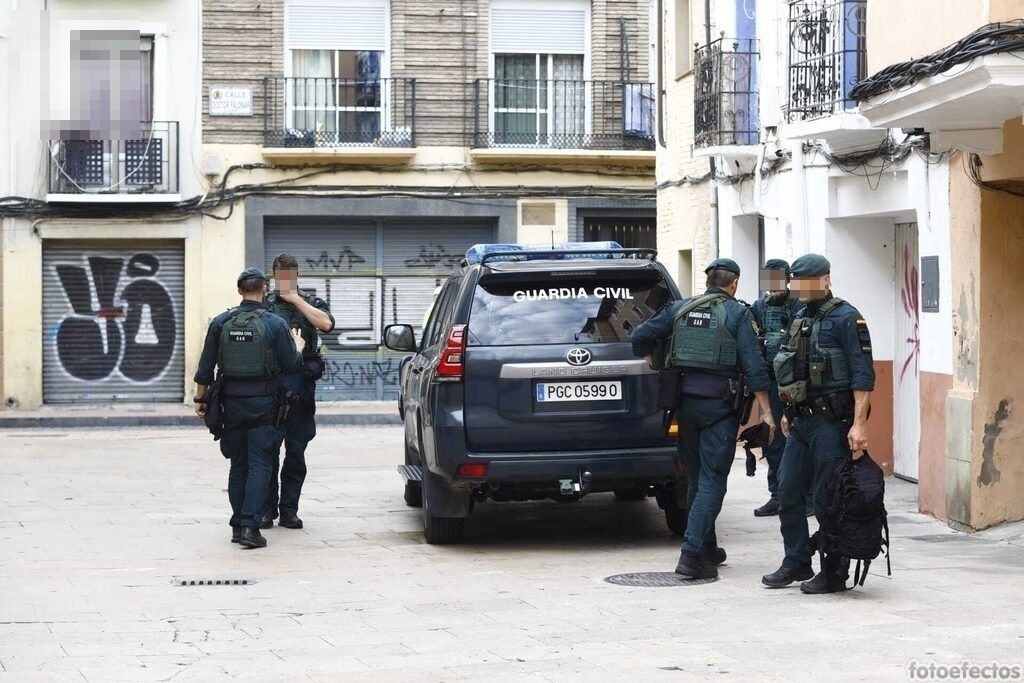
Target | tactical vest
(245,350)
(293,316)
(700,337)
(775,321)
(802,363)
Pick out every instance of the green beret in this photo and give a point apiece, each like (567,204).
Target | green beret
(250,273)
(777,264)
(723,264)
(811,265)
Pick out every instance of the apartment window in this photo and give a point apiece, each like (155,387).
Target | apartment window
(111,79)
(683,39)
(335,68)
(537,97)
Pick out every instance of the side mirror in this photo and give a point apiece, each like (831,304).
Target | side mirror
(400,338)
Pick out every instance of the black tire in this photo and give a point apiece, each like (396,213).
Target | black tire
(413,494)
(633,494)
(413,489)
(439,530)
(675,518)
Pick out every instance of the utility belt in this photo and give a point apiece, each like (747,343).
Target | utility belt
(704,385)
(836,406)
(250,388)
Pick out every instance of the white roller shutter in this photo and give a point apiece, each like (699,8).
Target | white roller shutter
(528,26)
(113,321)
(336,25)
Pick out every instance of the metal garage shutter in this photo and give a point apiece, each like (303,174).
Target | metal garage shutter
(113,323)
(372,273)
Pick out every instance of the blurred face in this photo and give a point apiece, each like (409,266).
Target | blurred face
(773,281)
(811,288)
(286,280)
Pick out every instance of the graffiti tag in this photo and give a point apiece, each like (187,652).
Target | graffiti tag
(134,335)
(346,257)
(365,374)
(432,256)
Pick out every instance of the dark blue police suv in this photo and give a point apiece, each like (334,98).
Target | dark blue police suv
(524,386)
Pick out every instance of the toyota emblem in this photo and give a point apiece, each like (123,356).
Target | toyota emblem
(578,356)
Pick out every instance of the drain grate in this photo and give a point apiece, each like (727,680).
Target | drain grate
(655,580)
(214,582)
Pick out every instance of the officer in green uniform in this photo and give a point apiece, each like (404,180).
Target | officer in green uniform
(774,312)
(251,347)
(712,339)
(310,315)
(825,376)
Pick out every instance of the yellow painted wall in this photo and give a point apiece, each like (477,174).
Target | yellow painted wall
(1006,10)
(1009,165)
(899,30)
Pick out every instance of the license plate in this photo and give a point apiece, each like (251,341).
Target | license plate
(550,392)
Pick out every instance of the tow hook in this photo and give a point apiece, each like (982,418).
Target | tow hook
(575,487)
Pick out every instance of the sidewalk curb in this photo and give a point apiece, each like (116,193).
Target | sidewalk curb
(80,421)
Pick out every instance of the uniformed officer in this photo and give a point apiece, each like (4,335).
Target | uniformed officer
(712,339)
(251,347)
(825,376)
(774,312)
(308,314)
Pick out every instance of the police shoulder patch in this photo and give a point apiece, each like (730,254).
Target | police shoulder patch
(863,335)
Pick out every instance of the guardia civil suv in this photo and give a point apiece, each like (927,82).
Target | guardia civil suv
(524,387)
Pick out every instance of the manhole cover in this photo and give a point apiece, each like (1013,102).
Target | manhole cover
(655,580)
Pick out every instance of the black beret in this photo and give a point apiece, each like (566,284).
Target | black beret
(250,273)
(777,264)
(811,265)
(723,264)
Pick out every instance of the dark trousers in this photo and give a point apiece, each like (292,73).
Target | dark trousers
(298,433)
(815,447)
(773,454)
(707,444)
(251,451)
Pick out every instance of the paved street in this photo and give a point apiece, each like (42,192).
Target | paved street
(100,527)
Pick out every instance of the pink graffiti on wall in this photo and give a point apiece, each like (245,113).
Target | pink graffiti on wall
(910,295)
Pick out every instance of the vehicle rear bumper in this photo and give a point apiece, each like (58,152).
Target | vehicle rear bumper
(650,464)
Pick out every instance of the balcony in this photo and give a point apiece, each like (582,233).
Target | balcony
(725,105)
(826,60)
(571,121)
(140,169)
(335,120)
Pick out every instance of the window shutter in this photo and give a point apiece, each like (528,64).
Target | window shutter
(316,25)
(538,27)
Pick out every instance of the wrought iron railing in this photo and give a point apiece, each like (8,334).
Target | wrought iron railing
(339,112)
(562,114)
(826,56)
(726,93)
(147,164)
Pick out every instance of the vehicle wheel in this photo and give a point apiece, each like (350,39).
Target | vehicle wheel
(675,518)
(413,489)
(632,494)
(439,530)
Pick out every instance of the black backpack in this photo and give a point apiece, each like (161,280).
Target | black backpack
(855,524)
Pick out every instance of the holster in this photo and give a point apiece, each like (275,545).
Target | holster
(286,400)
(313,367)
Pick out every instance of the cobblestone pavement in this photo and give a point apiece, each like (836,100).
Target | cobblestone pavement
(99,528)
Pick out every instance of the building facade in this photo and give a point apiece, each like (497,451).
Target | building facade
(376,141)
(807,163)
(100,142)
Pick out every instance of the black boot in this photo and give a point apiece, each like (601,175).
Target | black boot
(236,534)
(768,509)
(785,575)
(713,555)
(831,579)
(289,520)
(693,566)
(251,538)
(267,523)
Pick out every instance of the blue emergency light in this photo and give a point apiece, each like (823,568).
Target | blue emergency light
(542,252)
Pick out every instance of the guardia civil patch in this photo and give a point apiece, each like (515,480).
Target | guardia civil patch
(240,335)
(864,336)
(698,319)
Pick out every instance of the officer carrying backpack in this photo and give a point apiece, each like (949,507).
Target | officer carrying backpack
(855,524)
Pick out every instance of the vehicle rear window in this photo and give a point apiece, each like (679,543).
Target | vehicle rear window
(587,310)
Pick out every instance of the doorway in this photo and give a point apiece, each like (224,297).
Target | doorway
(907,349)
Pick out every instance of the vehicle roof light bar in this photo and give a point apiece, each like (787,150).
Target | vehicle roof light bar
(483,253)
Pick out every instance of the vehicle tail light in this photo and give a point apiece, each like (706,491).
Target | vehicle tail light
(453,356)
(475,469)
(673,428)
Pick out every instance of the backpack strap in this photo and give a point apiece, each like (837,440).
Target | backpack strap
(825,309)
